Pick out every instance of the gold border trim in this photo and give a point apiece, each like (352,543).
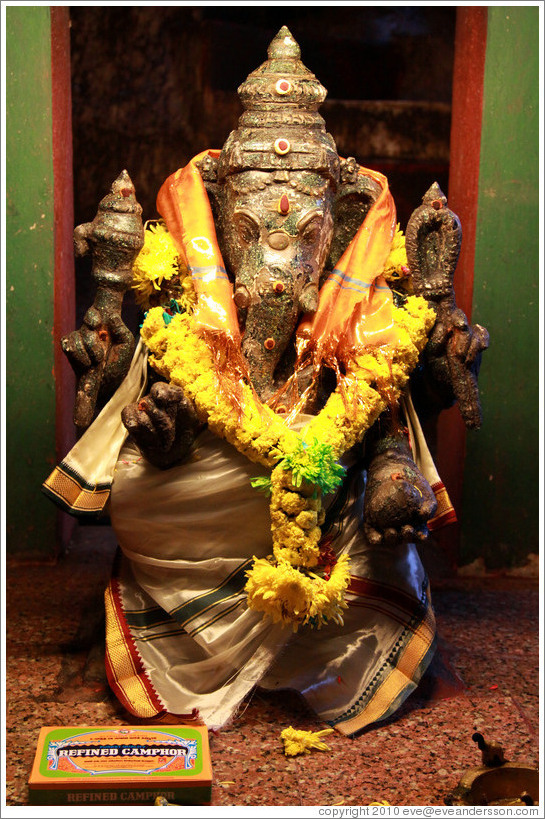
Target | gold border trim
(72,495)
(125,677)
(397,680)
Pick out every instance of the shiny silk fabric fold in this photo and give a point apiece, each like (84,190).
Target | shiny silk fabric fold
(183,203)
(355,304)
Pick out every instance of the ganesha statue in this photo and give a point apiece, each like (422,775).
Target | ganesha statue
(260,456)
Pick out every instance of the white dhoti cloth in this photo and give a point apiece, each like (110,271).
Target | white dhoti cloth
(181,642)
(189,534)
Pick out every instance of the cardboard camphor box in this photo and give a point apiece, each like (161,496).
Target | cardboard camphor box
(121,765)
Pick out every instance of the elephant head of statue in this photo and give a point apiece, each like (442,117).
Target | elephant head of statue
(285,207)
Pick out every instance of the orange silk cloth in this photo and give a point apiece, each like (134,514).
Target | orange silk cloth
(183,203)
(355,304)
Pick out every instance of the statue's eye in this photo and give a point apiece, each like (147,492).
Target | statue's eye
(248,230)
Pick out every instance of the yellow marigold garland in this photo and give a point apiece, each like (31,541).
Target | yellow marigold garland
(183,357)
(158,264)
(286,585)
(294,597)
(373,379)
(397,266)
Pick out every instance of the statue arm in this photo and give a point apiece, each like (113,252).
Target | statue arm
(453,353)
(100,352)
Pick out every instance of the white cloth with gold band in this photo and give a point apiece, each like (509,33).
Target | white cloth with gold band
(187,540)
(180,638)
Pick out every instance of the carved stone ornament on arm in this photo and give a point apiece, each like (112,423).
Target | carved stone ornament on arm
(101,350)
(453,354)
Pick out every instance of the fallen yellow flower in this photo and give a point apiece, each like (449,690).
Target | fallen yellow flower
(303,742)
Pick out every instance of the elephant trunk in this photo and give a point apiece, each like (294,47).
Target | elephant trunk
(270,309)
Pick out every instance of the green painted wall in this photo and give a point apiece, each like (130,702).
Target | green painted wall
(30,389)
(501,495)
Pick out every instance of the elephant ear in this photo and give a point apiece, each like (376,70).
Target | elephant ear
(355,196)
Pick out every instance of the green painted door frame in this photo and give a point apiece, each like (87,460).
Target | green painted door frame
(34,373)
(501,475)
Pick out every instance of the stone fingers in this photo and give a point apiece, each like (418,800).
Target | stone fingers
(479,342)
(141,429)
(83,348)
(75,350)
(163,424)
(86,347)
(391,537)
(156,423)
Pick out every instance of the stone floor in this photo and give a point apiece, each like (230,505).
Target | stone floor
(488,629)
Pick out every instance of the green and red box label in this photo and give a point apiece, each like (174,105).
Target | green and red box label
(138,758)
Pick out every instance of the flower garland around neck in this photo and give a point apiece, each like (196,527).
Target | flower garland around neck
(302,581)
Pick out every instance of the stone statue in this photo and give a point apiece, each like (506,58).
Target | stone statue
(283,247)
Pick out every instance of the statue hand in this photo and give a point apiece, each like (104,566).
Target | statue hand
(454,337)
(398,500)
(454,353)
(163,425)
(100,353)
(468,341)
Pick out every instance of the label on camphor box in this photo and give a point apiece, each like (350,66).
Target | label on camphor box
(121,765)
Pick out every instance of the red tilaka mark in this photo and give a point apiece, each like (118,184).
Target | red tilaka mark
(284,205)
(283,145)
(126,191)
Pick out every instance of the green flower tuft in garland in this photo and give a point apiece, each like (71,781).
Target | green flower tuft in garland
(315,463)
(262,485)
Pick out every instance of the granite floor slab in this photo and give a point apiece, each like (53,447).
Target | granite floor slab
(485,677)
